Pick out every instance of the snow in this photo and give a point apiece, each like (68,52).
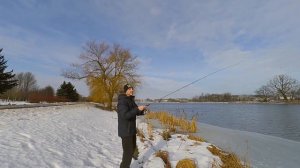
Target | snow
(9,102)
(263,151)
(82,136)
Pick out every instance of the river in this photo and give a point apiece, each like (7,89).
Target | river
(281,120)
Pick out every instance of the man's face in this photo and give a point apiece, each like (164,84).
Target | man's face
(129,92)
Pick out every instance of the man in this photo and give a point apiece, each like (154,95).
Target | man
(127,112)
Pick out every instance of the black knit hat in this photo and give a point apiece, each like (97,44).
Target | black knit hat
(126,87)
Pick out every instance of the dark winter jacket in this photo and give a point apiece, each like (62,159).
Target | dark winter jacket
(127,112)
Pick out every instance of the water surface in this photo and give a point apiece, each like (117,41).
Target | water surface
(281,120)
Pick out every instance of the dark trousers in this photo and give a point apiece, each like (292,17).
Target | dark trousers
(129,145)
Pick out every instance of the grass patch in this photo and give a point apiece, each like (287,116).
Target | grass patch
(186,163)
(171,122)
(164,155)
(230,160)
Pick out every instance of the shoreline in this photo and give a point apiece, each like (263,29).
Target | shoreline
(259,149)
(234,102)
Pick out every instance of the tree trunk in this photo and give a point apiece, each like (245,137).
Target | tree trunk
(109,103)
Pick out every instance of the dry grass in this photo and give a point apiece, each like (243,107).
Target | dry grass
(215,164)
(196,138)
(166,135)
(164,155)
(230,160)
(150,131)
(186,163)
(141,134)
(171,122)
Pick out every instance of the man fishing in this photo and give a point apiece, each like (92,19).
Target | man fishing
(127,112)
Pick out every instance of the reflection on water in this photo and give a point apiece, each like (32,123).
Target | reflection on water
(279,120)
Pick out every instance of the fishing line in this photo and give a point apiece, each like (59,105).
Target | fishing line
(224,68)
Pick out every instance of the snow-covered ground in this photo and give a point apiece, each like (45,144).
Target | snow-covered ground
(82,136)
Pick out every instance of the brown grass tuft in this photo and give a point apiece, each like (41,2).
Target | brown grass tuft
(150,131)
(165,157)
(230,160)
(141,134)
(186,163)
(166,135)
(196,138)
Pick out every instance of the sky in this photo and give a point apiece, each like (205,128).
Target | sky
(176,42)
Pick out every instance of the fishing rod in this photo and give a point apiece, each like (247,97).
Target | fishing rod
(224,68)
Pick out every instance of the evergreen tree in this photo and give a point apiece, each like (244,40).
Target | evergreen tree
(6,78)
(68,91)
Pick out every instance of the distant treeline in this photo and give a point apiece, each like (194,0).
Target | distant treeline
(281,88)
(225,97)
(28,90)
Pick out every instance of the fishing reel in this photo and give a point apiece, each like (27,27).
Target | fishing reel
(146,110)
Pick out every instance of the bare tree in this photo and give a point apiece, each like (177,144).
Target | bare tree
(48,91)
(27,83)
(106,69)
(298,93)
(283,85)
(265,92)
(295,93)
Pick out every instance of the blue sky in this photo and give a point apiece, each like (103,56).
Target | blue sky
(176,42)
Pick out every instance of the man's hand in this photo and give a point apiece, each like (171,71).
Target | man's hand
(141,108)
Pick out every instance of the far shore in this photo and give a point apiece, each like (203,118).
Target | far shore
(233,102)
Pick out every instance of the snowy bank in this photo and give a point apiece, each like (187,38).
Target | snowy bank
(178,147)
(82,136)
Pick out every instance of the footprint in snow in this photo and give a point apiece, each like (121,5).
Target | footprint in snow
(56,152)
(25,135)
(27,145)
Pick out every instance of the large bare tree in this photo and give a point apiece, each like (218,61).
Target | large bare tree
(283,85)
(106,69)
